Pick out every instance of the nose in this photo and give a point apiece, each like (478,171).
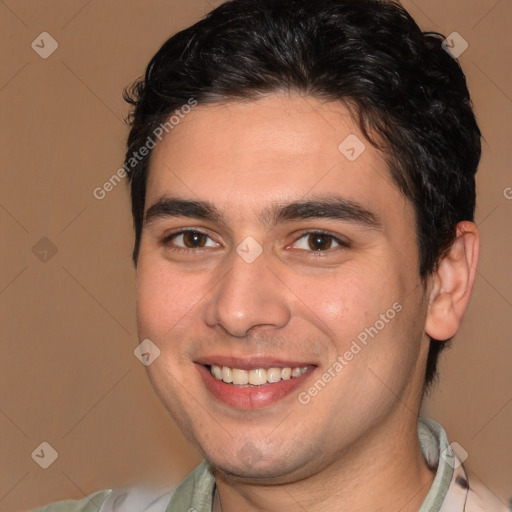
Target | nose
(249,296)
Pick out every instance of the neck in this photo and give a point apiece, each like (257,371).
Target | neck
(383,471)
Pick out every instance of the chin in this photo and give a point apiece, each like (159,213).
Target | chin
(266,466)
(263,472)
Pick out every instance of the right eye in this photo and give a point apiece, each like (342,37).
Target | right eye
(189,240)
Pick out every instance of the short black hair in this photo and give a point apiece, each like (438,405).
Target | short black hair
(408,95)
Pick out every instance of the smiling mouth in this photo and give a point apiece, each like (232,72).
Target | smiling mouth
(257,376)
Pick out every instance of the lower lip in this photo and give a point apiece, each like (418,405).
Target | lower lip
(249,397)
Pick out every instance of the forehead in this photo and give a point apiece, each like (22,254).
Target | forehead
(281,148)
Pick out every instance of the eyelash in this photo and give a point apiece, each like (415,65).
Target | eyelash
(168,239)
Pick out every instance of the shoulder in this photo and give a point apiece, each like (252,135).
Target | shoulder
(481,499)
(468,493)
(114,500)
(130,499)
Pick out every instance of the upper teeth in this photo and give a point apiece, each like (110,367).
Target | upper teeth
(255,377)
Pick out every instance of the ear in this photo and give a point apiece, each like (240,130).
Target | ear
(452,283)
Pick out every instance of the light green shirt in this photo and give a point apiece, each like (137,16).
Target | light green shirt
(450,490)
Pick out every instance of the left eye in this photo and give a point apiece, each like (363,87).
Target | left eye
(192,240)
(317,242)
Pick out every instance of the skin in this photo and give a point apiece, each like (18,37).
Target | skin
(354,446)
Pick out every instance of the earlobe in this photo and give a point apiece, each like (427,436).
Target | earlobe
(452,283)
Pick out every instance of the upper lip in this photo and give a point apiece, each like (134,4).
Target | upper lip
(252,363)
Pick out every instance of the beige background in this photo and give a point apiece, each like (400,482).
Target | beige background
(68,375)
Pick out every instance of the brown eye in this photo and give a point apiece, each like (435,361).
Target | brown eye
(193,239)
(319,242)
(190,240)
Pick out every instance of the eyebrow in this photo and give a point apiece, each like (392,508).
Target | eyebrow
(335,208)
(167,207)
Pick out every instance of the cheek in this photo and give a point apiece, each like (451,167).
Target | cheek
(346,303)
(164,299)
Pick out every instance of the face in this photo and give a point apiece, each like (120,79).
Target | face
(278,277)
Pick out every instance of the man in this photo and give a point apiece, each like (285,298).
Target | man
(302,182)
